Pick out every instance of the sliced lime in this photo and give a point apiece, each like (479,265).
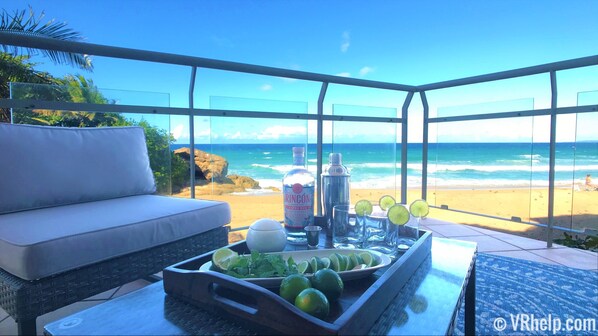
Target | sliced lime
(367,258)
(419,208)
(398,214)
(304,267)
(363,207)
(355,260)
(342,262)
(334,263)
(316,264)
(325,262)
(222,257)
(360,267)
(386,202)
(347,262)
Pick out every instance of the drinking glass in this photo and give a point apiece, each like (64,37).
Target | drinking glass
(347,229)
(408,233)
(380,234)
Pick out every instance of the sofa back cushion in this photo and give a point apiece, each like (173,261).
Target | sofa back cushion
(44,166)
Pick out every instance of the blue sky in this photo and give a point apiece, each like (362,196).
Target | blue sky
(408,42)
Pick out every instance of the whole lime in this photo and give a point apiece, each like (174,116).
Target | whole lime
(313,302)
(292,285)
(328,282)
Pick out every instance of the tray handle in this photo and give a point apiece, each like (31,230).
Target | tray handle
(262,305)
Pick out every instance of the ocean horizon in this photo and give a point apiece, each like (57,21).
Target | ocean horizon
(450,165)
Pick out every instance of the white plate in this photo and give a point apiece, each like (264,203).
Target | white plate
(382,260)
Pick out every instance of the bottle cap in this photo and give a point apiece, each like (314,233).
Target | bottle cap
(335,158)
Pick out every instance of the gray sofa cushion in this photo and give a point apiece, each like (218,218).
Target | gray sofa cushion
(48,166)
(39,243)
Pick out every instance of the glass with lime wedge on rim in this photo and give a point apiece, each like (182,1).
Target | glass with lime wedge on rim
(399,216)
(380,234)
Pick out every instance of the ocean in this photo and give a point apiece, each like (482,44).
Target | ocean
(450,165)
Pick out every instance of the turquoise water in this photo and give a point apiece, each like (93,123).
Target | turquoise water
(450,164)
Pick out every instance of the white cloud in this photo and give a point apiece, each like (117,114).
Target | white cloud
(344,74)
(266,87)
(276,132)
(177,131)
(231,136)
(365,70)
(346,41)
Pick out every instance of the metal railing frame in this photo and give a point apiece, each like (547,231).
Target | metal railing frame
(197,62)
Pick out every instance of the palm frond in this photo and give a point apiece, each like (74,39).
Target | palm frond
(21,23)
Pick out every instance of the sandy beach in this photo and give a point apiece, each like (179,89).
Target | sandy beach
(528,204)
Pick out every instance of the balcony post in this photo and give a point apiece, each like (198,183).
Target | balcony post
(404,139)
(551,168)
(425,145)
(192,133)
(319,145)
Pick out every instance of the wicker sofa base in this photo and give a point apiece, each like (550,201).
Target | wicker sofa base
(26,300)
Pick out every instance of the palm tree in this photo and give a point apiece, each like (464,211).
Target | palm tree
(21,23)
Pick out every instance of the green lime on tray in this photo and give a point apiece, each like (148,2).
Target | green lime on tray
(292,285)
(313,302)
(328,282)
(363,207)
(419,208)
(398,214)
(386,202)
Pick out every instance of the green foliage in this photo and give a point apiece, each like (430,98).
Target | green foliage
(589,242)
(21,23)
(170,171)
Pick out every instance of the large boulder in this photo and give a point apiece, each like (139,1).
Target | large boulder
(244,181)
(207,166)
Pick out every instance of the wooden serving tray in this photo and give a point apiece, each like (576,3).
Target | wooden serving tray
(362,302)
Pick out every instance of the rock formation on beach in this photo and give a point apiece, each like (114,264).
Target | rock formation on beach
(207,166)
(211,174)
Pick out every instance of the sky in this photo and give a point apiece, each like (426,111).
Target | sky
(406,42)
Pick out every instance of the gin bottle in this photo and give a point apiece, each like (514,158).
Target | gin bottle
(298,192)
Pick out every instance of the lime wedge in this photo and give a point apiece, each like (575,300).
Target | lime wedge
(342,262)
(316,264)
(347,261)
(367,259)
(325,262)
(398,214)
(363,207)
(355,260)
(419,208)
(304,267)
(386,202)
(222,258)
(334,263)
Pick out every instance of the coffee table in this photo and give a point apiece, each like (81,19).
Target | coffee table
(426,305)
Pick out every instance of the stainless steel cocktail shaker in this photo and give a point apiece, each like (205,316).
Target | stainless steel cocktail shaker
(335,187)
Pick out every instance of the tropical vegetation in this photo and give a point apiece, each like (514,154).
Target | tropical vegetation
(20,79)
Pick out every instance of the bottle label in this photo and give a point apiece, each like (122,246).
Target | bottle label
(298,205)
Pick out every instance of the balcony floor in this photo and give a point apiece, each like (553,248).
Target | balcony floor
(489,241)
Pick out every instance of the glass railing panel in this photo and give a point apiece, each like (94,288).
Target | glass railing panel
(486,108)
(369,150)
(246,158)
(157,127)
(510,95)
(348,100)
(585,191)
(488,167)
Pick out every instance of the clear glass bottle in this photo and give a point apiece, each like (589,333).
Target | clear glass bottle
(298,198)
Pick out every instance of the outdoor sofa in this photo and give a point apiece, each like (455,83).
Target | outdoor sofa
(78,216)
